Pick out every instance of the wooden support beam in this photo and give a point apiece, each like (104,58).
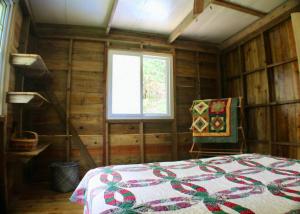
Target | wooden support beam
(174,123)
(262,24)
(243,99)
(107,144)
(142,143)
(24,38)
(270,118)
(199,6)
(28,10)
(105,152)
(219,68)
(68,98)
(198,81)
(111,16)
(19,78)
(296,29)
(75,136)
(239,8)
(55,31)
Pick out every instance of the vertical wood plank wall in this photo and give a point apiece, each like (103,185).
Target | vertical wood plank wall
(269,79)
(128,142)
(3,172)
(196,77)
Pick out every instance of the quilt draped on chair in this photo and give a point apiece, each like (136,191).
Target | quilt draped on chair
(215,120)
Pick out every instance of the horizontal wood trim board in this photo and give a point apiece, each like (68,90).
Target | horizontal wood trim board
(138,121)
(294,59)
(254,70)
(278,103)
(294,144)
(257,141)
(239,8)
(48,31)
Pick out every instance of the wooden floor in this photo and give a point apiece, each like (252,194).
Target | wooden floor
(38,198)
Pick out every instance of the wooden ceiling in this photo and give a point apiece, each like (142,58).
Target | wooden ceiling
(213,21)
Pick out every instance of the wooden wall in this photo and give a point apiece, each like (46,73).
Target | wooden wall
(3,172)
(196,77)
(83,62)
(265,71)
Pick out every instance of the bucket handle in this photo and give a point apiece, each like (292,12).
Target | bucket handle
(36,136)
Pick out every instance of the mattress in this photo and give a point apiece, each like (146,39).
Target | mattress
(246,183)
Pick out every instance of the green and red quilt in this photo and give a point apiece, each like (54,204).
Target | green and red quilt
(240,184)
(215,120)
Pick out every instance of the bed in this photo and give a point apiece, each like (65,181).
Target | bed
(246,183)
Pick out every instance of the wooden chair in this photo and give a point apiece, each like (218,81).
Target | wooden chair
(197,149)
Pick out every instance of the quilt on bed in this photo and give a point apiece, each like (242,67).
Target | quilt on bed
(247,183)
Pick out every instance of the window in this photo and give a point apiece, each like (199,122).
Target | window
(5,14)
(139,85)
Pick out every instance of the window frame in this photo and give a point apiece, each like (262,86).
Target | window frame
(4,50)
(142,116)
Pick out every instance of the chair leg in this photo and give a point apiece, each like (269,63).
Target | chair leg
(192,148)
(192,151)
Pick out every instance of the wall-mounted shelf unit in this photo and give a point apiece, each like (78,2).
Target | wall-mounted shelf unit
(32,98)
(31,65)
(26,156)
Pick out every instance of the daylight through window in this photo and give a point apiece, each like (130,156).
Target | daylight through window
(139,85)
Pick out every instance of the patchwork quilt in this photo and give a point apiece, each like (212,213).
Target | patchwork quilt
(215,120)
(247,183)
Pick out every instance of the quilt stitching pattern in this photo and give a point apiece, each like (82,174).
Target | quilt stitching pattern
(191,192)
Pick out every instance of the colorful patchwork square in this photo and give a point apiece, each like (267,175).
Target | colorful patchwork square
(199,124)
(218,107)
(200,108)
(217,124)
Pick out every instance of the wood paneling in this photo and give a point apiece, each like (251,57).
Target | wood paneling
(258,124)
(257,92)
(197,77)
(271,83)
(3,171)
(126,142)
(253,54)
(296,26)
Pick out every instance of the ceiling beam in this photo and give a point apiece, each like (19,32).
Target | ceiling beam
(111,16)
(199,6)
(239,8)
(263,23)
(181,27)
(56,31)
